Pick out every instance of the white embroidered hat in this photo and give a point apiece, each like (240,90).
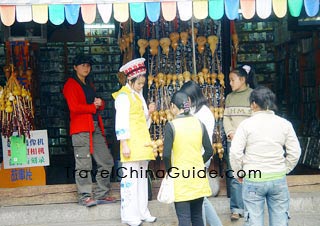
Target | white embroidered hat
(134,68)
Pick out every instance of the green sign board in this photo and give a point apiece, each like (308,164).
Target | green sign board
(18,150)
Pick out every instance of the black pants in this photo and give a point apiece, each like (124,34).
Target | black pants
(190,212)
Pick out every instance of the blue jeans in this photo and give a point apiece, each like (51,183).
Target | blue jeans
(275,193)
(209,214)
(189,212)
(235,188)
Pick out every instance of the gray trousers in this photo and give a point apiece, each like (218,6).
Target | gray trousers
(83,161)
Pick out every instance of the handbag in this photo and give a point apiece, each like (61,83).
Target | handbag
(166,190)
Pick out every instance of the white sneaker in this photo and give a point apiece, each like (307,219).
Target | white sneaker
(132,223)
(150,219)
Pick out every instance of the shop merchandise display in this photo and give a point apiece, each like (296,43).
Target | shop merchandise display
(298,90)
(16,107)
(256,47)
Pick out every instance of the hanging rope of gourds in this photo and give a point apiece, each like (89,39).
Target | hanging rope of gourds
(16,110)
(171,65)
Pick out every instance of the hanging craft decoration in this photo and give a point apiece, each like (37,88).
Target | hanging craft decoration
(168,71)
(165,45)
(137,11)
(8,14)
(169,10)
(72,13)
(16,110)
(295,7)
(153,11)
(264,8)
(105,11)
(231,8)
(279,8)
(143,44)
(311,7)
(40,14)
(216,9)
(185,10)
(88,12)
(200,9)
(24,13)
(248,8)
(56,14)
(121,12)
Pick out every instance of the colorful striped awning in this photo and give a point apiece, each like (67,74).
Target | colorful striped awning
(57,11)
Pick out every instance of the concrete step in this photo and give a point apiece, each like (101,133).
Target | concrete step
(310,219)
(303,209)
(305,219)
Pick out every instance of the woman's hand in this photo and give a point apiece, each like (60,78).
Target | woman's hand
(97,102)
(152,107)
(125,149)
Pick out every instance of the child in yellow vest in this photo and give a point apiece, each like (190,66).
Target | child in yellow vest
(183,159)
(131,127)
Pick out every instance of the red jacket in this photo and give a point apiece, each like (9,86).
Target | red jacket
(81,113)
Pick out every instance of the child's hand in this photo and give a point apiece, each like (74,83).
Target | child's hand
(125,149)
(230,136)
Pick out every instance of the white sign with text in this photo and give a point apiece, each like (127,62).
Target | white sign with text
(37,151)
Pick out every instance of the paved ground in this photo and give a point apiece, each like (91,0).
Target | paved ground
(35,206)
(303,211)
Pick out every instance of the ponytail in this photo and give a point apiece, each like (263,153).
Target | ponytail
(251,78)
(246,72)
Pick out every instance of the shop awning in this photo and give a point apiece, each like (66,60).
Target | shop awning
(57,11)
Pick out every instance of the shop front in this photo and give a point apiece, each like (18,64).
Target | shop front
(181,41)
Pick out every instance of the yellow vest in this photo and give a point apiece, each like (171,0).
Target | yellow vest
(139,132)
(191,181)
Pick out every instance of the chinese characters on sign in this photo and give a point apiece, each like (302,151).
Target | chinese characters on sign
(35,150)
(21,174)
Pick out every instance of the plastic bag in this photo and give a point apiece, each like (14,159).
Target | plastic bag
(214,185)
(166,190)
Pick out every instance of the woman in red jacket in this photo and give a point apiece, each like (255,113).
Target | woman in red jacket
(87,132)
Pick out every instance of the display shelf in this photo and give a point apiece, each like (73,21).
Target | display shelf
(298,63)
(256,48)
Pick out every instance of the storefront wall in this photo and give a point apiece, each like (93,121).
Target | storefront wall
(121,11)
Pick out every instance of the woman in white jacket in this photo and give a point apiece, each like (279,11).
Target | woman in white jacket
(264,149)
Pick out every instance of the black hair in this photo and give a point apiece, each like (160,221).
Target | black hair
(133,80)
(193,91)
(264,98)
(247,72)
(180,99)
